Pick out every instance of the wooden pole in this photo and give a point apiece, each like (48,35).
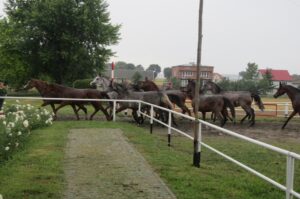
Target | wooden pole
(197,151)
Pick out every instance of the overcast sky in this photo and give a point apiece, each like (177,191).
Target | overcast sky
(235,32)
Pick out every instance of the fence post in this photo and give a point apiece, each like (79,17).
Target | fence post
(197,144)
(114,110)
(286,110)
(151,119)
(139,111)
(290,165)
(169,128)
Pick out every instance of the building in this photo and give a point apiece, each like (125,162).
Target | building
(277,77)
(217,77)
(188,71)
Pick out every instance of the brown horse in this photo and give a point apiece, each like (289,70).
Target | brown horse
(176,96)
(43,88)
(59,91)
(216,104)
(294,95)
(238,98)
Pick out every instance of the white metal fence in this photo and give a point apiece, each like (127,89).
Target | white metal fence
(290,156)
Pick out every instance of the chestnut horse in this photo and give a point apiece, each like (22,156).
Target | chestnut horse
(294,95)
(59,91)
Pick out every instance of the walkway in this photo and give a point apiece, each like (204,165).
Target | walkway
(100,163)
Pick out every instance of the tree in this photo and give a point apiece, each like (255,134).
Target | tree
(266,84)
(136,77)
(175,83)
(62,39)
(251,72)
(155,68)
(168,73)
(124,65)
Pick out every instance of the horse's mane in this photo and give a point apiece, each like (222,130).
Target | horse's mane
(293,88)
(218,88)
(151,84)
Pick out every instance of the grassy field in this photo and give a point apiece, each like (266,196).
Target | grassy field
(37,171)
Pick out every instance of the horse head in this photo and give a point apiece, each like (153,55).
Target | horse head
(31,84)
(211,86)
(281,90)
(101,82)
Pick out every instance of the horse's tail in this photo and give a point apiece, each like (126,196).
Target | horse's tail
(228,103)
(258,101)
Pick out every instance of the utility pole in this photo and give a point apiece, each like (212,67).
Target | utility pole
(197,133)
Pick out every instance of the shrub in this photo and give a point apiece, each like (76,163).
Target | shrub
(82,83)
(16,124)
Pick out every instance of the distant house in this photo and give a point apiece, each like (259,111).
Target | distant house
(185,72)
(217,77)
(277,76)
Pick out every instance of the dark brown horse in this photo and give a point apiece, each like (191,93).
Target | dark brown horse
(294,95)
(216,104)
(238,98)
(176,96)
(59,91)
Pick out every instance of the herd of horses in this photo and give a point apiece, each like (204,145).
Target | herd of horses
(211,99)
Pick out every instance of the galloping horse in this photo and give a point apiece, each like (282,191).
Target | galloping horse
(238,98)
(216,104)
(59,91)
(294,95)
(43,88)
(176,96)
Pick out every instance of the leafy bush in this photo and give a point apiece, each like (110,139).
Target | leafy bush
(82,83)
(16,123)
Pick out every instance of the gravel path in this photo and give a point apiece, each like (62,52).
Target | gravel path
(100,163)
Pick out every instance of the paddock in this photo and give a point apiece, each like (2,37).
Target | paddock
(207,128)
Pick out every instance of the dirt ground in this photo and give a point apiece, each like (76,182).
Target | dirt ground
(100,163)
(261,130)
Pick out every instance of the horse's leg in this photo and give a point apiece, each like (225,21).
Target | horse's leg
(75,111)
(252,118)
(290,117)
(219,116)
(139,120)
(82,107)
(247,111)
(62,104)
(97,106)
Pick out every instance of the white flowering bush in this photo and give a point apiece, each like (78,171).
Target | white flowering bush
(16,123)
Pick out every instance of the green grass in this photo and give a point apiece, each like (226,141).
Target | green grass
(37,171)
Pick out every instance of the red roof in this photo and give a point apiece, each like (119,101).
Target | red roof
(277,75)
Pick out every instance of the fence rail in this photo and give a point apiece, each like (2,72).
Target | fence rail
(290,156)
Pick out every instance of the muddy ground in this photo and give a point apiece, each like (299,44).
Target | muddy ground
(261,130)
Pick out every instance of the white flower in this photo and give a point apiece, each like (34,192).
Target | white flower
(26,123)
(18,101)
(6,148)
(2,117)
(11,125)
(4,123)
(10,135)
(19,133)
(17,144)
